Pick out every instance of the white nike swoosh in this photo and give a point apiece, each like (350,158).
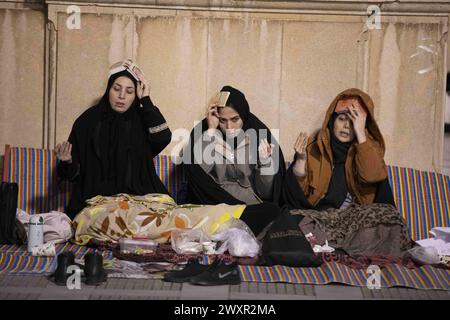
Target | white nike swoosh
(221,276)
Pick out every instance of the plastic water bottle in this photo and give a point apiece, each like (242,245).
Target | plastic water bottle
(35,232)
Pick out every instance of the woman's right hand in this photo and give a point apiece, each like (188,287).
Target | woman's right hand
(212,117)
(300,145)
(63,151)
(300,154)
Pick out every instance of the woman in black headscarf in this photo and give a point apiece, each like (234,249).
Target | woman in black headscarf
(232,158)
(112,144)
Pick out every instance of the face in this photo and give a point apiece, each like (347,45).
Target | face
(122,94)
(343,128)
(343,125)
(229,121)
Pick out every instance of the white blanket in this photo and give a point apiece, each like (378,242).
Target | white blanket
(440,240)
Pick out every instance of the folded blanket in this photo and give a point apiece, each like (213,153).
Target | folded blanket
(369,230)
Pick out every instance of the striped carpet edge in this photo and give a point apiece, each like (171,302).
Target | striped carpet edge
(16,259)
(425,277)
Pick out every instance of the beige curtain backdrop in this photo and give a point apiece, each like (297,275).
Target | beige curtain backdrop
(289,63)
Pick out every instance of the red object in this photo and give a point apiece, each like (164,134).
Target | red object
(140,238)
(343,105)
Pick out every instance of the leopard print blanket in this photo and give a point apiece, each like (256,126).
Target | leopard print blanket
(375,229)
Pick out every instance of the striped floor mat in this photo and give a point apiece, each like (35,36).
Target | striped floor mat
(425,277)
(14,259)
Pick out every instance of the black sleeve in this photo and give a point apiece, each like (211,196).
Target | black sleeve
(384,193)
(158,130)
(66,170)
(292,195)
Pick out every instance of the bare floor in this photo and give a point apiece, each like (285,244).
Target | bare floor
(40,288)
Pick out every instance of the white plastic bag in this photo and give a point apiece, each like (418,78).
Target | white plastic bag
(325,248)
(188,241)
(237,238)
(57,225)
(424,255)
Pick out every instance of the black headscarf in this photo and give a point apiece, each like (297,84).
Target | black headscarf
(113,152)
(201,187)
(113,139)
(448,83)
(238,102)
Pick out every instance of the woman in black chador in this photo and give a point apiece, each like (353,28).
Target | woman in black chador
(232,158)
(112,144)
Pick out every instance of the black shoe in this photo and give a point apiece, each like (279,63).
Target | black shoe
(65,260)
(218,274)
(93,269)
(193,268)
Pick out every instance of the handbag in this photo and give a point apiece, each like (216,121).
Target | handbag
(285,244)
(11,230)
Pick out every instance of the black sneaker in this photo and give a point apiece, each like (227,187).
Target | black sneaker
(218,274)
(193,268)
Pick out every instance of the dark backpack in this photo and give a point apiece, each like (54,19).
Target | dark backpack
(11,230)
(285,244)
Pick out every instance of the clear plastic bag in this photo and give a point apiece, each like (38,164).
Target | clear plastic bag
(236,237)
(424,255)
(188,241)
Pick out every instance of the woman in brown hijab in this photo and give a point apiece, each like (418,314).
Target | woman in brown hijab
(339,174)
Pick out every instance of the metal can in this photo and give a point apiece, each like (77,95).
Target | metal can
(35,232)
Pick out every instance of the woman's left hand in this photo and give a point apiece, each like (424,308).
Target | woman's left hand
(143,88)
(358,118)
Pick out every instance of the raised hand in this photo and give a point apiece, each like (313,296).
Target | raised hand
(265,151)
(63,151)
(212,117)
(300,154)
(358,117)
(300,145)
(143,88)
